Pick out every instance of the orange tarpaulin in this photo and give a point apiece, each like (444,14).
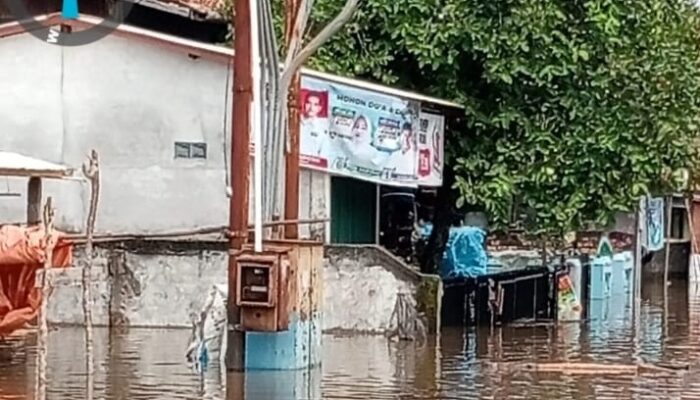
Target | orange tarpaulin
(22,252)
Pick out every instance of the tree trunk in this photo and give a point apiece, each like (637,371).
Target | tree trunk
(442,220)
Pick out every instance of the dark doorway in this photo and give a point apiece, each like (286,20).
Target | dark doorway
(353,211)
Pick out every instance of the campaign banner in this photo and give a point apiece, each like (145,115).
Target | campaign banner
(655,224)
(568,302)
(368,135)
(430,149)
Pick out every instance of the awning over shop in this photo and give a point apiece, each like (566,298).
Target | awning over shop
(15,164)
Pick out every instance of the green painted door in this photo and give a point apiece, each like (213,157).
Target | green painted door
(353,211)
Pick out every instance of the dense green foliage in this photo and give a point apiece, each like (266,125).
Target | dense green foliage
(574,108)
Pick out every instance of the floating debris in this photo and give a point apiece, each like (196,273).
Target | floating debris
(602,368)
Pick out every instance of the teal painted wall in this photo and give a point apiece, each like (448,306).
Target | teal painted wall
(299,347)
(353,211)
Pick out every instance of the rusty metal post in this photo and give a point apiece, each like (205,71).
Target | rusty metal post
(291,194)
(240,172)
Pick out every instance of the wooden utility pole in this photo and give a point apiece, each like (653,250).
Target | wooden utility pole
(291,194)
(240,171)
(294,29)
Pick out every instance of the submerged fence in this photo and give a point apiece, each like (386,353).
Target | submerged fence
(502,297)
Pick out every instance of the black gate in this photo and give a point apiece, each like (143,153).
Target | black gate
(525,294)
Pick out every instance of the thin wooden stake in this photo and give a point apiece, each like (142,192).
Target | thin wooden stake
(42,339)
(91,170)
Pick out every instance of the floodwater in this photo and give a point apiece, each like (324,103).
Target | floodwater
(150,364)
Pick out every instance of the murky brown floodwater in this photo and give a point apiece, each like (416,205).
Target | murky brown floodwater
(149,364)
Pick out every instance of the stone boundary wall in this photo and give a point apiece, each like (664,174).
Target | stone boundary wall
(362,284)
(159,284)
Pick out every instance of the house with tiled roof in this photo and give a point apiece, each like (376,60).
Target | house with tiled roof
(197,9)
(200,20)
(158,109)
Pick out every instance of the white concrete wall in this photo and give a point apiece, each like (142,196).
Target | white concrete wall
(130,101)
(166,287)
(361,288)
(65,302)
(625,223)
(360,298)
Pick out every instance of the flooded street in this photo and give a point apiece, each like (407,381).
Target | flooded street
(150,364)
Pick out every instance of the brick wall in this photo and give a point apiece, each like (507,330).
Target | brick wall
(587,242)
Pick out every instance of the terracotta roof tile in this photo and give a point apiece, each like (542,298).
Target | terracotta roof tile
(210,8)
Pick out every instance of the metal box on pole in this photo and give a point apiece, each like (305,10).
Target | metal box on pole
(263,289)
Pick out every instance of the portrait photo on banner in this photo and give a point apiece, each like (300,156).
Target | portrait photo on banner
(369,135)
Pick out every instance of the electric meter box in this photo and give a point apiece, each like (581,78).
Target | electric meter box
(261,292)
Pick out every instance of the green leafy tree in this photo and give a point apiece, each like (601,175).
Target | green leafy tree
(574,108)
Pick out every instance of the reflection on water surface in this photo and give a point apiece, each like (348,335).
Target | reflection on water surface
(149,364)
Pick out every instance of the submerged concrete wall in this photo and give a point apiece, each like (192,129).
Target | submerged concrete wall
(65,302)
(158,284)
(363,283)
(162,283)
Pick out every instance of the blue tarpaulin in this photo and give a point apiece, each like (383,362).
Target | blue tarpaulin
(465,253)
(425,230)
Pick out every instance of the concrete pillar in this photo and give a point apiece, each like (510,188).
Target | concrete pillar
(266,385)
(575,275)
(299,347)
(34,201)
(618,279)
(600,271)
